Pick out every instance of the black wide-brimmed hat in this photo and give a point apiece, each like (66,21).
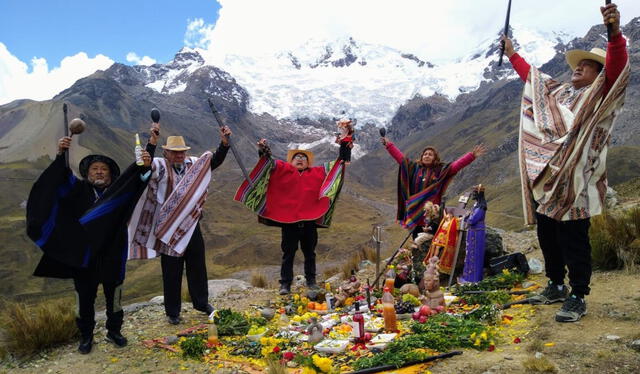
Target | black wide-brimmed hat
(86,162)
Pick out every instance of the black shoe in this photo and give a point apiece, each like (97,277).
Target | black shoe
(551,294)
(285,289)
(85,344)
(313,286)
(173,320)
(572,309)
(116,338)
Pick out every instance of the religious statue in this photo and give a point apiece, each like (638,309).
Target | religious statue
(315,331)
(474,257)
(433,294)
(443,244)
(348,289)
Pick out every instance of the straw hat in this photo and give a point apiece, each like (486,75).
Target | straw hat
(574,56)
(176,143)
(293,152)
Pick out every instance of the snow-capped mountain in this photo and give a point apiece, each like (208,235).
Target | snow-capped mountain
(323,78)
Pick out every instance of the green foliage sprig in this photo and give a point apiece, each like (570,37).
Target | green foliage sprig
(231,323)
(504,280)
(193,347)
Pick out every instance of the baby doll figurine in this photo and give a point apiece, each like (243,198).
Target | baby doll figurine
(348,289)
(345,138)
(433,294)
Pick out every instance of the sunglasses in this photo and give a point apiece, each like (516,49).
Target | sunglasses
(300,157)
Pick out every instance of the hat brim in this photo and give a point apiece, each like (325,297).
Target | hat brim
(176,148)
(293,152)
(574,57)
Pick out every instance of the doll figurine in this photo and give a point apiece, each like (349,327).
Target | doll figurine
(345,138)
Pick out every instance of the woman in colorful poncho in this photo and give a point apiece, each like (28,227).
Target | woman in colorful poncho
(422,180)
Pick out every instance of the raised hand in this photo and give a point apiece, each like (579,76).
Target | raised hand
(225,133)
(611,16)
(508,46)
(154,134)
(64,143)
(146,158)
(384,140)
(479,149)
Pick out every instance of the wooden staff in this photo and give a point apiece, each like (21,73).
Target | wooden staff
(506,32)
(216,115)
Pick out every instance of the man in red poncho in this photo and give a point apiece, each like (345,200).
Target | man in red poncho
(298,198)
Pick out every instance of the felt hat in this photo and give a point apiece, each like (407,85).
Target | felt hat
(574,56)
(176,143)
(86,162)
(293,152)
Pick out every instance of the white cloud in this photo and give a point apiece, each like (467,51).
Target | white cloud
(17,82)
(197,33)
(137,60)
(435,31)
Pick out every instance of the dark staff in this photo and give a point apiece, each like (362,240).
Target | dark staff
(216,115)
(609,24)
(66,133)
(76,126)
(506,32)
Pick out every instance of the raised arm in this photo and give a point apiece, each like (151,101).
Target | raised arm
(392,149)
(519,64)
(617,55)
(223,148)
(459,164)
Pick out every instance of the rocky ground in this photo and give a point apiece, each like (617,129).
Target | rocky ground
(607,340)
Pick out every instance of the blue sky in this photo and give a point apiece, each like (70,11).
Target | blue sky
(54,29)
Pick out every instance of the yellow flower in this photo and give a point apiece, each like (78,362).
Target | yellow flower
(477,342)
(484,335)
(505,271)
(550,344)
(296,297)
(306,370)
(323,363)
(473,336)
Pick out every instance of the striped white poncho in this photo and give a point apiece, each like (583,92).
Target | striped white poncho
(564,135)
(166,214)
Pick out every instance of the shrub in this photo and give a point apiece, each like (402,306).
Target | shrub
(30,329)
(615,240)
(258,279)
(352,263)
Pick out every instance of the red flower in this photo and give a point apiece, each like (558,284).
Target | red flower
(288,356)
(276,349)
(517,340)
(491,348)
(506,316)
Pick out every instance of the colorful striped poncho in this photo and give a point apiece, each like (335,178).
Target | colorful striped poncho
(410,203)
(281,194)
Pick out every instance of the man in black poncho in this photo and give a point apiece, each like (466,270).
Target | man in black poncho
(80,225)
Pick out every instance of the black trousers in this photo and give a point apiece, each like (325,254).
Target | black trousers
(172,267)
(565,246)
(86,286)
(306,234)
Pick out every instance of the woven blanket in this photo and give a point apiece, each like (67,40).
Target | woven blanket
(564,135)
(166,214)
